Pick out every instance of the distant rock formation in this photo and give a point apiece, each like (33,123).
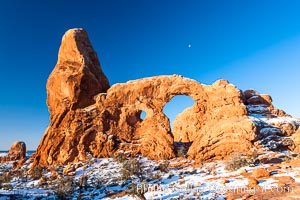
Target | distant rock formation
(17,152)
(89,117)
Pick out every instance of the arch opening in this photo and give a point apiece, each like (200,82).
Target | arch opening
(175,110)
(176,106)
(143,115)
(136,117)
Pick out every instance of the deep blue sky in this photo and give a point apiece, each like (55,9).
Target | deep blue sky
(252,43)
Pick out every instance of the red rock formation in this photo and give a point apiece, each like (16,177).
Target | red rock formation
(274,123)
(183,131)
(255,100)
(77,76)
(296,139)
(223,100)
(17,152)
(88,117)
(113,122)
(75,80)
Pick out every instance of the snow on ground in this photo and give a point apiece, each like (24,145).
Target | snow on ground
(257,108)
(274,121)
(258,114)
(205,182)
(3,154)
(209,181)
(30,193)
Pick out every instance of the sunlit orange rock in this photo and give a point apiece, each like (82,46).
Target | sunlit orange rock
(77,76)
(88,117)
(17,152)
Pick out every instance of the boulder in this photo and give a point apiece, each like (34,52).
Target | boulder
(250,93)
(252,182)
(260,173)
(17,152)
(69,170)
(282,180)
(261,104)
(296,139)
(220,138)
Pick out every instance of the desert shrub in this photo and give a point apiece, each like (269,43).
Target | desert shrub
(155,176)
(194,171)
(42,182)
(98,183)
(64,188)
(21,174)
(197,194)
(134,190)
(211,168)
(6,186)
(36,173)
(131,167)
(54,175)
(181,180)
(164,166)
(252,157)
(119,157)
(236,161)
(52,168)
(59,169)
(181,152)
(5,177)
(89,159)
(170,175)
(18,173)
(287,157)
(181,196)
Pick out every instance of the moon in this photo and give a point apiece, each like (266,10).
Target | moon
(189,45)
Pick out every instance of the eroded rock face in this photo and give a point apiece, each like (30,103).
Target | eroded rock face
(222,129)
(261,104)
(274,126)
(77,76)
(113,123)
(296,139)
(89,117)
(222,101)
(17,152)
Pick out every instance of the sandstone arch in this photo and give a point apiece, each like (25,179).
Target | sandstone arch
(151,95)
(92,117)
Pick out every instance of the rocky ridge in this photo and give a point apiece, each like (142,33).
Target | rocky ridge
(90,117)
